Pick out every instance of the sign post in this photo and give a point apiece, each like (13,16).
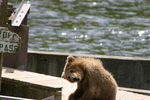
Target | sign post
(9,43)
(12,35)
(1,61)
(3,18)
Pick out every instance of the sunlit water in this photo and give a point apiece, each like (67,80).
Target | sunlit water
(99,27)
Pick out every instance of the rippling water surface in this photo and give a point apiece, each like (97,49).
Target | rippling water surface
(100,27)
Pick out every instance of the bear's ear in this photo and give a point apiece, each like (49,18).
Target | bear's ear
(70,58)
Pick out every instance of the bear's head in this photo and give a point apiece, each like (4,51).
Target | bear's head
(73,70)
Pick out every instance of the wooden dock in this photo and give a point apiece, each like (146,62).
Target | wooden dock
(57,87)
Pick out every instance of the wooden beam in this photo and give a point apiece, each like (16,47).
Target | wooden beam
(3,11)
(3,20)
(1,61)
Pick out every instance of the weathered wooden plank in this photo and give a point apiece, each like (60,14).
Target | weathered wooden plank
(31,77)
(2,97)
(140,91)
(124,95)
(31,81)
(54,82)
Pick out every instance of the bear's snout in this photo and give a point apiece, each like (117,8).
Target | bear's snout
(76,79)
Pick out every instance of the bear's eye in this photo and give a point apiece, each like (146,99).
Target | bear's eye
(71,71)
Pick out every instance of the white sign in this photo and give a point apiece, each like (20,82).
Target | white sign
(9,41)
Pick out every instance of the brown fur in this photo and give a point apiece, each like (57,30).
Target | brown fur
(94,82)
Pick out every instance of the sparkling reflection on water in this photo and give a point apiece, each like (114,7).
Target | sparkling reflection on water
(103,27)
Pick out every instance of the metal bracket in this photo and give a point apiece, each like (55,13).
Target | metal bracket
(20,13)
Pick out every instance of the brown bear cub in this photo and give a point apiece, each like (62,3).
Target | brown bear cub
(94,82)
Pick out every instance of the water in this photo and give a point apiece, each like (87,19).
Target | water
(99,27)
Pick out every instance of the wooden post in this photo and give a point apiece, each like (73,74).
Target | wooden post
(3,12)
(3,20)
(18,60)
(1,61)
